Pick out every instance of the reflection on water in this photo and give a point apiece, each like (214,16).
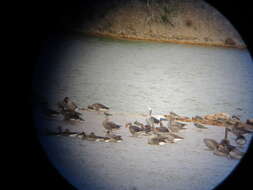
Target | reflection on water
(129,76)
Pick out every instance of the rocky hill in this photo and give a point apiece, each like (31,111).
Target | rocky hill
(177,21)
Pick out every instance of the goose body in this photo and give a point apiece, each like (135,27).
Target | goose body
(71,115)
(236,154)
(67,104)
(98,107)
(109,125)
(146,128)
(210,143)
(176,126)
(113,138)
(156,140)
(224,148)
(50,113)
(133,129)
(200,126)
(161,129)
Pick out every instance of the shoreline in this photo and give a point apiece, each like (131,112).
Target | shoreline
(145,39)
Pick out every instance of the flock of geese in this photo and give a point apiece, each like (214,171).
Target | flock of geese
(154,128)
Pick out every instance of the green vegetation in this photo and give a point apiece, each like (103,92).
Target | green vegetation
(230,41)
(170,11)
(164,19)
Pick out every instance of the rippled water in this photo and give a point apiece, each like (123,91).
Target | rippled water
(129,76)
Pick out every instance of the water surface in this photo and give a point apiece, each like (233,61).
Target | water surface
(128,76)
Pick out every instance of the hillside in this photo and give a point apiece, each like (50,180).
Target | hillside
(181,21)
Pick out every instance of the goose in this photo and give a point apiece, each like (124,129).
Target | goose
(173,114)
(48,132)
(156,118)
(98,107)
(224,148)
(112,138)
(67,132)
(133,129)
(92,137)
(168,133)
(239,132)
(146,128)
(236,154)
(197,117)
(210,143)
(156,140)
(236,118)
(49,112)
(109,125)
(67,104)
(198,125)
(82,135)
(71,115)
(218,149)
(240,140)
(161,129)
(176,126)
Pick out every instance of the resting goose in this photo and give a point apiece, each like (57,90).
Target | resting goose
(82,135)
(92,137)
(161,129)
(112,138)
(224,148)
(176,126)
(134,130)
(71,115)
(198,125)
(239,132)
(156,140)
(98,107)
(146,128)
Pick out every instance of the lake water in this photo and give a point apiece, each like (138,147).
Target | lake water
(128,76)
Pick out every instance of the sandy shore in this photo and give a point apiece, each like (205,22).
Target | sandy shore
(172,40)
(132,163)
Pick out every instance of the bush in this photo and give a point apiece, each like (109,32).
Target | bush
(164,19)
(188,23)
(230,41)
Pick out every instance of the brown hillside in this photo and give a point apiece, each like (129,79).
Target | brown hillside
(180,21)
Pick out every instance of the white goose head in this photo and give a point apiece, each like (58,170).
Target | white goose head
(149,110)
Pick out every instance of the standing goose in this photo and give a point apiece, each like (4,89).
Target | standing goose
(109,125)
(152,120)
